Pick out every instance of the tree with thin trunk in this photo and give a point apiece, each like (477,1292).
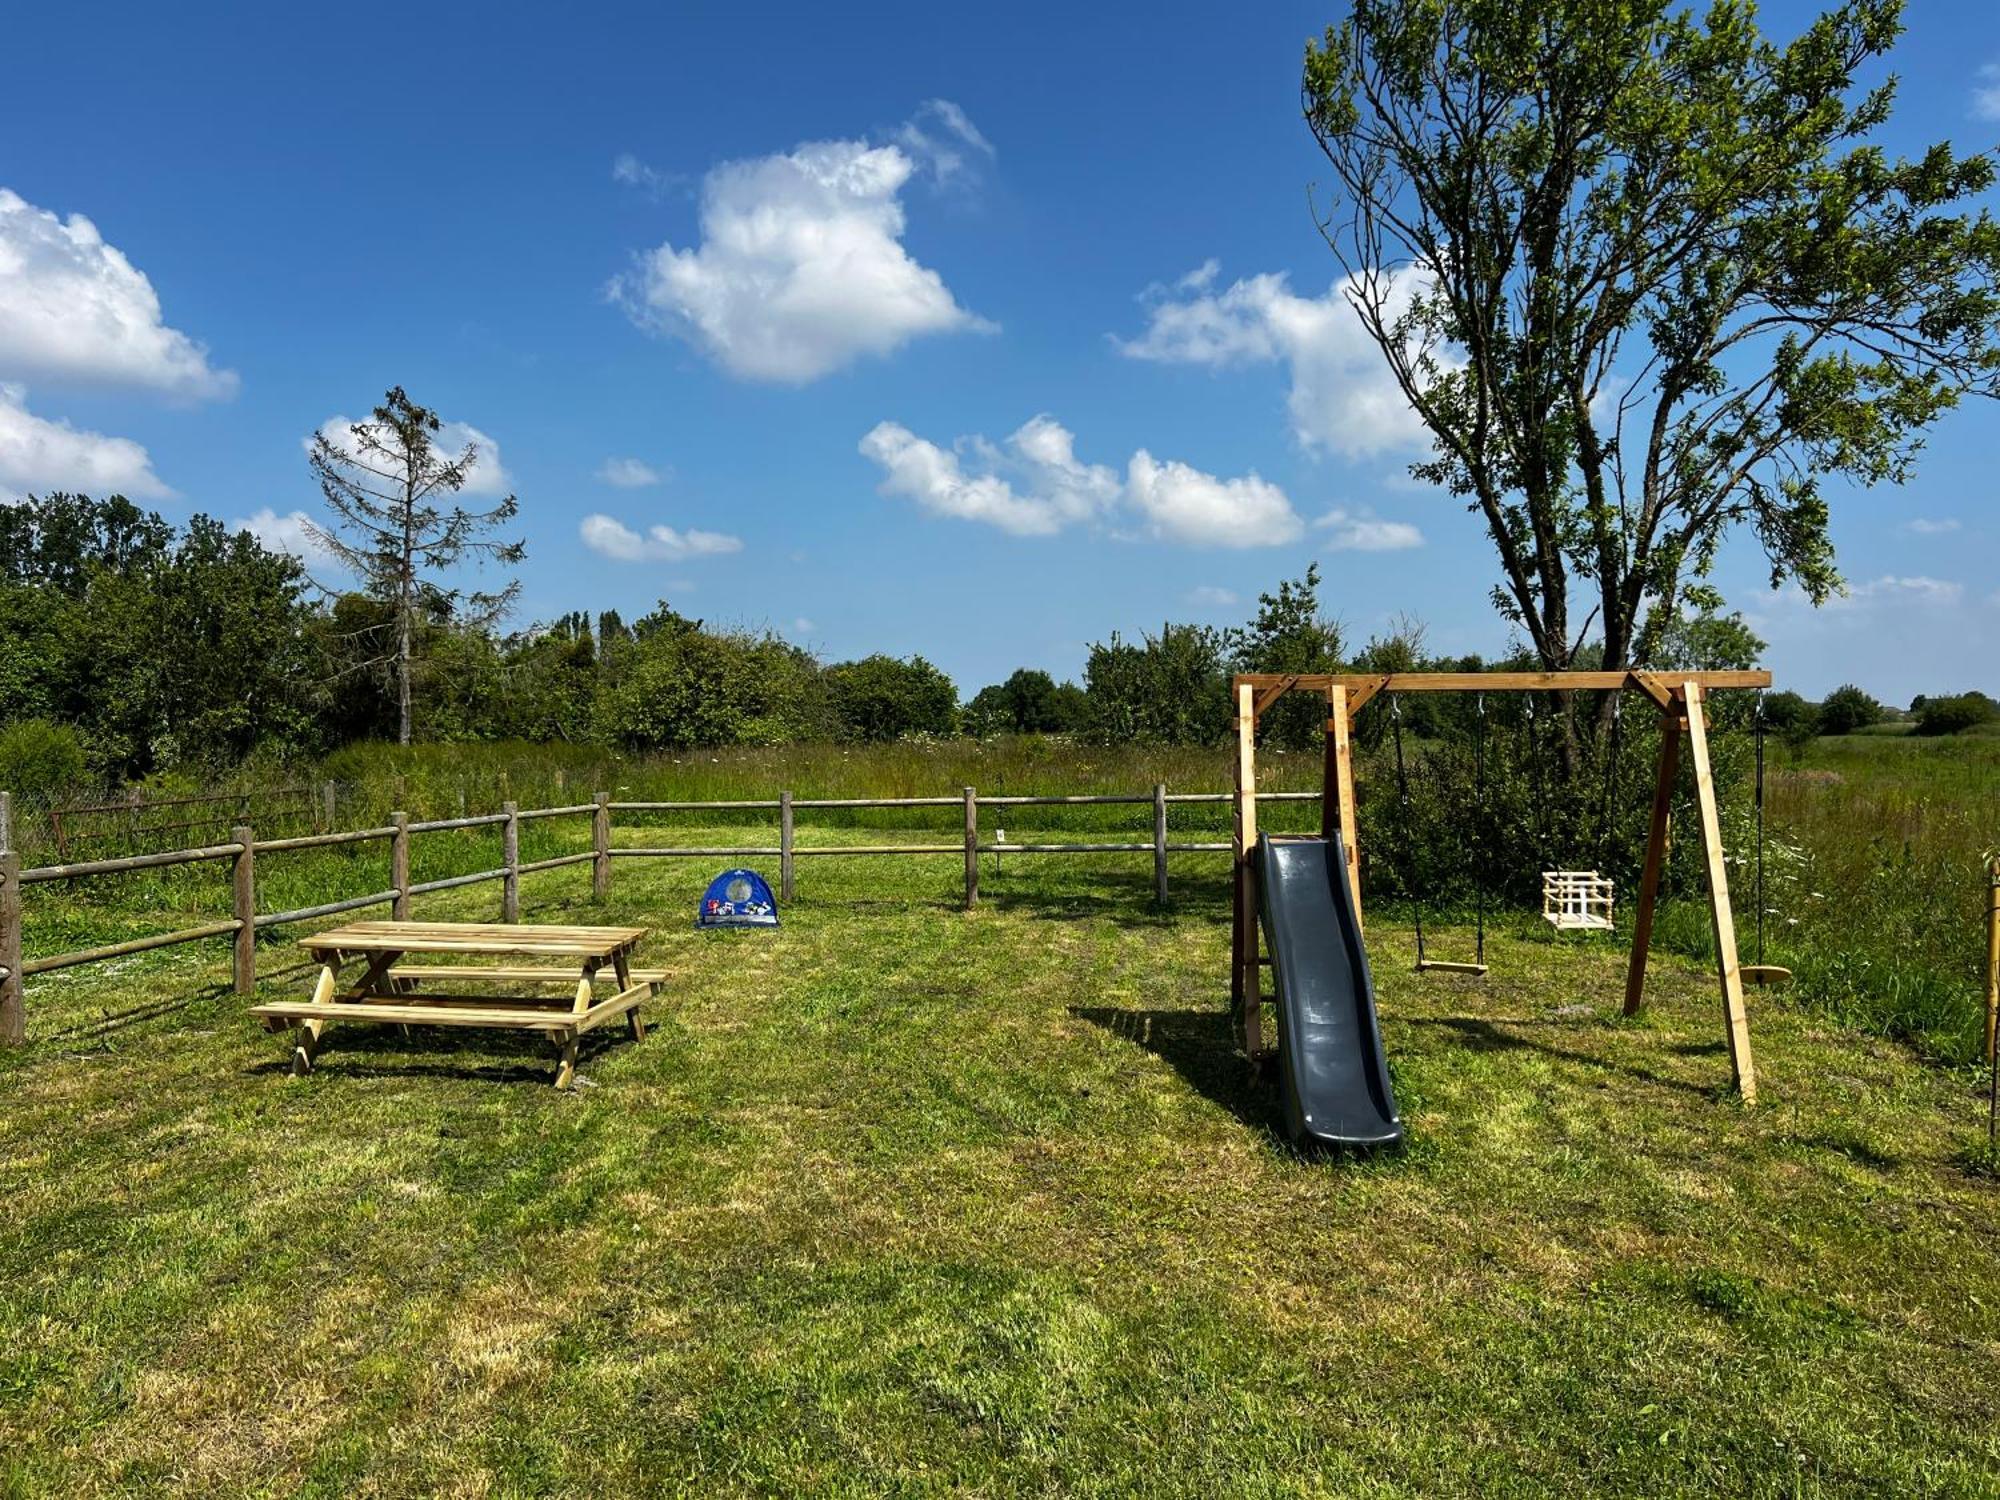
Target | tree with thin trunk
(388,486)
(1646,278)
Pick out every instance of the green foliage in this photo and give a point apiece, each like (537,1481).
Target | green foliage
(1289,634)
(163,649)
(675,685)
(1575,190)
(1171,689)
(1955,713)
(40,761)
(384,482)
(1028,702)
(890,698)
(1846,709)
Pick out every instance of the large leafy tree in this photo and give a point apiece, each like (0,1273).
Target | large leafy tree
(389,486)
(1646,278)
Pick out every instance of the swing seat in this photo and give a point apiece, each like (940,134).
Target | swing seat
(1442,966)
(1773,976)
(1577,900)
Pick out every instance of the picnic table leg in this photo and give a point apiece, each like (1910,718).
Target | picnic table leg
(305,1041)
(566,1066)
(621,965)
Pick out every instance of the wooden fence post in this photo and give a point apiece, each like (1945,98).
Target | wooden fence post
(13,997)
(510,856)
(328,808)
(600,845)
(971,848)
(785,846)
(6,821)
(246,910)
(399,865)
(1160,842)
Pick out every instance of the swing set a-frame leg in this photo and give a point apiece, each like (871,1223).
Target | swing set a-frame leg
(1736,1023)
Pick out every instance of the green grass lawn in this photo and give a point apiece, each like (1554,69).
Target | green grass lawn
(902,1199)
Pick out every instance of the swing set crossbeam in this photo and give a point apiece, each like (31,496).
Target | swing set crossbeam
(1681,698)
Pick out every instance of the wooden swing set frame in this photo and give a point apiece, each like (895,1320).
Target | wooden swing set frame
(1680,699)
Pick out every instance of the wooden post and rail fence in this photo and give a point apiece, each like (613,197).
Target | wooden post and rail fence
(245,853)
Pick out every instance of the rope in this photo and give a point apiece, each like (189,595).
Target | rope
(1757,718)
(1403,797)
(1537,790)
(1610,781)
(1479,800)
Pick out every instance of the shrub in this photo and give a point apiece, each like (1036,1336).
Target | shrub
(1847,709)
(888,698)
(40,760)
(1955,713)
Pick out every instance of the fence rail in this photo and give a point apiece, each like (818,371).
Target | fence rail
(243,849)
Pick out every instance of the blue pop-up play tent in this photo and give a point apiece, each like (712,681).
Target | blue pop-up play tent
(737,898)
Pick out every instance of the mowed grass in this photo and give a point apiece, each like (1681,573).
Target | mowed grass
(903,1199)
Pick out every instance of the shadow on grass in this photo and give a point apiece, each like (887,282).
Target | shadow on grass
(363,1049)
(1481,1035)
(1200,1045)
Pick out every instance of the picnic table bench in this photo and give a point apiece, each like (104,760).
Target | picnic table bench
(390,991)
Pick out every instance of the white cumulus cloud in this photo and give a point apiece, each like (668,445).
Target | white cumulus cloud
(1055,489)
(74,310)
(1362,531)
(1926,526)
(1894,588)
(38,455)
(801,268)
(627,473)
(486,477)
(1986,93)
(1342,395)
(1034,485)
(1186,505)
(1210,596)
(290,532)
(609,537)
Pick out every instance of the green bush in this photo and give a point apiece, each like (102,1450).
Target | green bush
(1955,713)
(40,760)
(1847,709)
(889,698)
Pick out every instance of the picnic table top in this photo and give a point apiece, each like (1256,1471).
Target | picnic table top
(475,937)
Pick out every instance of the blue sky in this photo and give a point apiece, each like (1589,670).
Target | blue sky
(1059,332)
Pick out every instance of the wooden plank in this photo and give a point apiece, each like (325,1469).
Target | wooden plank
(13,992)
(510,862)
(624,1003)
(399,864)
(1656,688)
(243,964)
(787,837)
(1358,693)
(1659,829)
(306,1041)
(496,1019)
(1441,966)
(1735,1021)
(1248,986)
(1271,693)
(1366,685)
(507,975)
(1339,725)
(971,848)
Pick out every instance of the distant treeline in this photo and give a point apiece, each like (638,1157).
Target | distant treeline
(130,647)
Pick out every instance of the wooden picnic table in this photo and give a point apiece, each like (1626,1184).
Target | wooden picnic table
(389,991)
